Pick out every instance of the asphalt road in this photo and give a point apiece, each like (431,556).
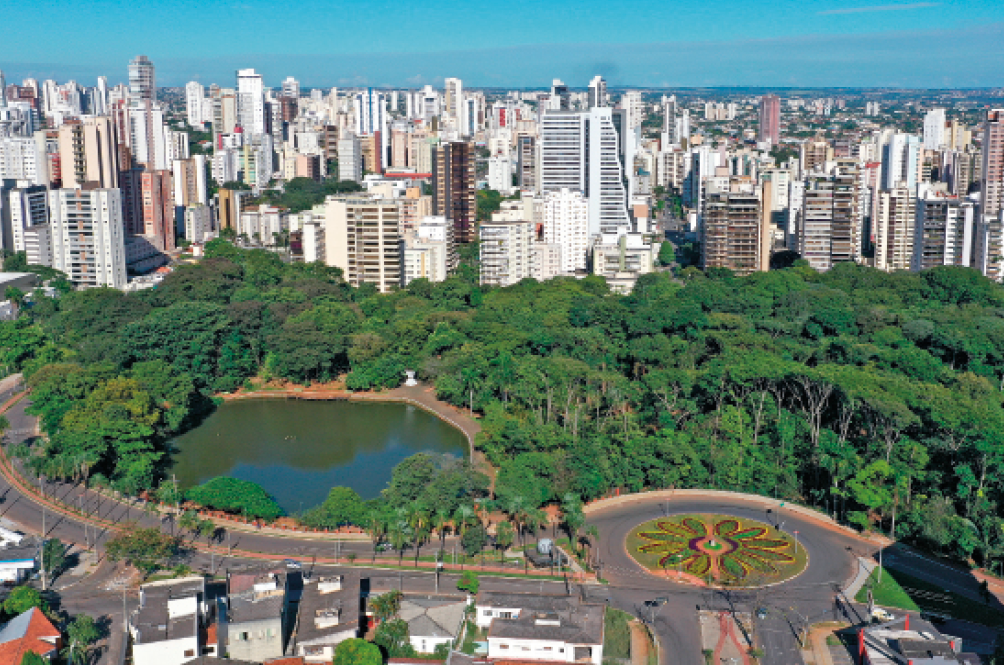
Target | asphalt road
(808,598)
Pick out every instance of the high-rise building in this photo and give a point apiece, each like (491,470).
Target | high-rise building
(634,106)
(362,237)
(250,102)
(670,135)
(189,178)
(25,207)
(88,154)
(87,236)
(894,229)
(597,92)
(350,158)
(526,166)
(142,82)
(769,130)
(584,152)
(453,98)
(992,171)
(291,88)
(732,232)
(934,129)
(901,161)
(194,93)
(506,251)
(560,100)
(565,220)
(454,187)
(148,136)
(157,200)
(944,229)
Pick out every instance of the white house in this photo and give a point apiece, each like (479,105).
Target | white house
(541,627)
(166,628)
(432,620)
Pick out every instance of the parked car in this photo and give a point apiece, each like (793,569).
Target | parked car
(293,564)
(882,616)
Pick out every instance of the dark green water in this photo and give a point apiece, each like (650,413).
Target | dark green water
(298,450)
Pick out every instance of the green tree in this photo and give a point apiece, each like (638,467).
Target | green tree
(23,598)
(145,548)
(54,557)
(469,583)
(356,651)
(235,496)
(386,605)
(474,539)
(392,637)
(81,634)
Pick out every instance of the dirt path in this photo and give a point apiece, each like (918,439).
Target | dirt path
(641,645)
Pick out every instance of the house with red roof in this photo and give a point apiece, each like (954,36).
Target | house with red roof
(28,631)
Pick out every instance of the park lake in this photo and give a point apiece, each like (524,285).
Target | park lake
(298,450)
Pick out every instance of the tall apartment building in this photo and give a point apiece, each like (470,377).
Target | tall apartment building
(831,218)
(506,251)
(586,152)
(526,164)
(597,92)
(362,238)
(87,154)
(894,229)
(87,236)
(769,130)
(194,94)
(992,171)
(944,229)
(429,251)
(934,129)
(250,102)
(157,200)
(454,187)
(565,218)
(24,207)
(733,230)
(142,82)
(350,158)
(189,177)
(901,161)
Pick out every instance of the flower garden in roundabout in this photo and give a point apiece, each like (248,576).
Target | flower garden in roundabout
(719,550)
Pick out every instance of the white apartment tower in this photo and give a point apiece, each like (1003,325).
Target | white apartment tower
(565,217)
(934,129)
(250,102)
(582,152)
(506,252)
(88,236)
(194,94)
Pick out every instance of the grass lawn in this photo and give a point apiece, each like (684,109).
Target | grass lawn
(887,593)
(616,634)
(907,592)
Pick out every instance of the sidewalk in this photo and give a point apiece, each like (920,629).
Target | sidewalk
(865,568)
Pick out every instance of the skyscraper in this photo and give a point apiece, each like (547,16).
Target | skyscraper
(454,96)
(582,151)
(87,236)
(597,92)
(194,92)
(731,235)
(250,102)
(88,155)
(992,172)
(454,187)
(142,83)
(291,88)
(770,119)
(934,129)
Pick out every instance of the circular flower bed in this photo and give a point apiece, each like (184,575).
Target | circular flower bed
(717,549)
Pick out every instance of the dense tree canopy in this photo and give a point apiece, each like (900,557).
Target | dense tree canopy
(873,396)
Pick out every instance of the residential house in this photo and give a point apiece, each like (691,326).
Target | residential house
(540,627)
(28,631)
(328,614)
(168,628)
(256,607)
(432,619)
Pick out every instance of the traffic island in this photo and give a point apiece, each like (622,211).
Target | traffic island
(717,550)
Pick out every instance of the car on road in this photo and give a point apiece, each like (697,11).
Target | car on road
(882,616)
(761,613)
(293,564)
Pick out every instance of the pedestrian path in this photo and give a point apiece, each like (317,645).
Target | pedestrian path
(865,568)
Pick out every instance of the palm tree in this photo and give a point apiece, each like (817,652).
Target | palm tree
(516,507)
(592,535)
(386,605)
(76,653)
(463,518)
(400,535)
(378,529)
(504,536)
(440,519)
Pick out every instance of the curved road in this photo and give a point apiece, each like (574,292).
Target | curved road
(810,597)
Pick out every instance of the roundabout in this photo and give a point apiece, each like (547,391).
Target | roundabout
(716,550)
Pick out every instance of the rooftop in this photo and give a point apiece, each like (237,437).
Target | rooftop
(324,601)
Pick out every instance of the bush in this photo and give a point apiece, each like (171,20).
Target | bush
(235,496)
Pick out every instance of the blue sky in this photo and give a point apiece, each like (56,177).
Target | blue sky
(937,43)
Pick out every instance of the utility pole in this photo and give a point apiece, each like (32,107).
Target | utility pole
(125,613)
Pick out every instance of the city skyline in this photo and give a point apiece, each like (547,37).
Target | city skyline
(821,43)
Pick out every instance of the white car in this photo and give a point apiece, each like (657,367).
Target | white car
(882,616)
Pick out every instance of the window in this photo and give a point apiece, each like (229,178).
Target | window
(189,653)
(503,646)
(244,637)
(547,648)
(313,651)
(505,615)
(486,613)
